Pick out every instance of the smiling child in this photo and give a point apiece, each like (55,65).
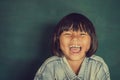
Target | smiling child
(74,47)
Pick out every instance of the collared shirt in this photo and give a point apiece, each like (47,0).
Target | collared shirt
(57,68)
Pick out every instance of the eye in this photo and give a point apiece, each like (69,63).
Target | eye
(67,33)
(83,34)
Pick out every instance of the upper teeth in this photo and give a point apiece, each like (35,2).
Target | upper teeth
(75,46)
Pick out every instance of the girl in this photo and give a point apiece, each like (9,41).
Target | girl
(74,46)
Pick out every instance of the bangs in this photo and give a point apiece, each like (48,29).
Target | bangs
(75,27)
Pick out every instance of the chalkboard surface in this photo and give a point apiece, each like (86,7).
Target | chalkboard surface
(26,28)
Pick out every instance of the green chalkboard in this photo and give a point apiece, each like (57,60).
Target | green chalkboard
(26,28)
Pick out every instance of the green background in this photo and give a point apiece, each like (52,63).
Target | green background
(26,28)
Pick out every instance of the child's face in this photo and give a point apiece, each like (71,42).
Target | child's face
(74,44)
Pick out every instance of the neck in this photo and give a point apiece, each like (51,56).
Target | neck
(75,65)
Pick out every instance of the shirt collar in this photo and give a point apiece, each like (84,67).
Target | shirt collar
(69,72)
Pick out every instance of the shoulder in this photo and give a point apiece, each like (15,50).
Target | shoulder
(49,63)
(51,60)
(46,69)
(97,60)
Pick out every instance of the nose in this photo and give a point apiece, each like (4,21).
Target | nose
(75,38)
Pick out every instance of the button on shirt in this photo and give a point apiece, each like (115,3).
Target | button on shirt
(57,68)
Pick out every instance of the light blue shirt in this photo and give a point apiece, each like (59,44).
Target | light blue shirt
(57,68)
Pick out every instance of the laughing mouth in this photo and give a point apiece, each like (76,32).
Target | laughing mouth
(75,49)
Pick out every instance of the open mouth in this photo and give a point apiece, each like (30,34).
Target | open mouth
(75,49)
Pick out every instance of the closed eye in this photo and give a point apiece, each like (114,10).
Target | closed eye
(83,34)
(67,33)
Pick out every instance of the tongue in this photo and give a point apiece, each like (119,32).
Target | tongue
(74,49)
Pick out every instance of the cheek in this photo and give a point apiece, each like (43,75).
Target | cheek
(64,44)
(87,43)
(61,44)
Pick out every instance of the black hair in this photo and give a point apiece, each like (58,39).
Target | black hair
(78,22)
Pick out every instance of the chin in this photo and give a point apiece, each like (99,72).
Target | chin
(76,58)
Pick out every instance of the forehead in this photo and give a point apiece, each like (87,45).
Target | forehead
(75,27)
